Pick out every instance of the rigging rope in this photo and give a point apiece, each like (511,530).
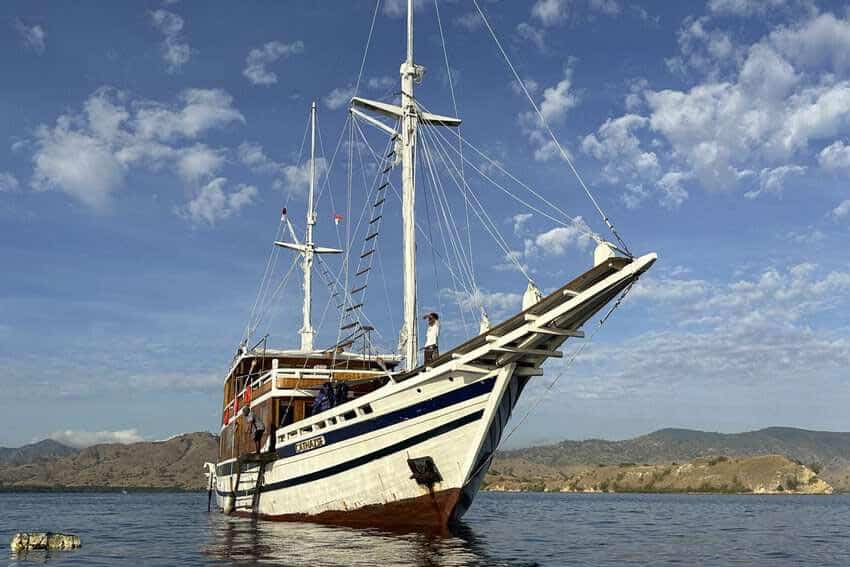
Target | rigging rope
(545,124)
(565,368)
(459,138)
(576,221)
(489,225)
(366,49)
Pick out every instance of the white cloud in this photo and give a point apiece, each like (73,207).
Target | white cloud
(339,97)
(558,241)
(175,51)
(253,156)
(258,59)
(498,304)
(34,37)
(607,7)
(470,21)
(76,163)
(616,144)
(213,202)
(772,180)
(398,8)
(550,12)
(520,221)
(532,34)
(667,289)
(8,182)
(202,110)
(823,40)
(835,156)
(756,115)
(199,162)
(88,155)
(531,86)
(296,178)
(556,102)
(763,329)
(382,83)
(842,211)
(808,236)
(744,7)
(82,439)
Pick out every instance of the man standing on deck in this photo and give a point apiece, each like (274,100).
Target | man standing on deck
(255,425)
(432,337)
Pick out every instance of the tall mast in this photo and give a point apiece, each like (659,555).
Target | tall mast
(309,248)
(307,331)
(410,116)
(408,167)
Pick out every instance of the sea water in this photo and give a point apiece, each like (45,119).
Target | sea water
(150,529)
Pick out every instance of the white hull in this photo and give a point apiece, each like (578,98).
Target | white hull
(329,468)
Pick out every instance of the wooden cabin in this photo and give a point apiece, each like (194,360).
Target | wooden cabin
(280,387)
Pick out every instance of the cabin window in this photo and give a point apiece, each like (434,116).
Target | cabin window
(331,421)
(349,415)
(307,429)
(367,409)
(320,425)
(286,413)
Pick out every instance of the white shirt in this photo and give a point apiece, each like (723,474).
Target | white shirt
(432,334)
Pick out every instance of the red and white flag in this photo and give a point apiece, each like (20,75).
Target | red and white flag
(337,219)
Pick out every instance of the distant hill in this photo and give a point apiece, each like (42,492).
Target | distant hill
(828,453)
(35,452)
(767,474)
(178,462)
(175,463)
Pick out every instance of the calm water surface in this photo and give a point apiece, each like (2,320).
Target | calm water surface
(500,530)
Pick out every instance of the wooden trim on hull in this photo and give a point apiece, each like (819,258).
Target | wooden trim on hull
(429,512)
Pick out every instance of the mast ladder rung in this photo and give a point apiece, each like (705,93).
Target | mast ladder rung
(363,271)
(367,254)
(349,326)
(358,289)
(387,169)
(376,219)
(353,307)
(384,186)
(379,203)
(371,236)
(340,306)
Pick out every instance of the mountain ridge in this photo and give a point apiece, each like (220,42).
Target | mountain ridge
(177,463)
(44,450)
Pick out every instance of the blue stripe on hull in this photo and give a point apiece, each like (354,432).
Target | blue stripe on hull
(491,442)
(364,459)
(418,409)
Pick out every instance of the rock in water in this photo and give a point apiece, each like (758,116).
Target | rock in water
(26,541)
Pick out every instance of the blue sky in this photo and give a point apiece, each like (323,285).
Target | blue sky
(147,149)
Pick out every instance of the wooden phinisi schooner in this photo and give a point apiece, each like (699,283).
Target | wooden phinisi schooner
(359,437)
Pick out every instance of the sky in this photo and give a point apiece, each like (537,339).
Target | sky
(147,148)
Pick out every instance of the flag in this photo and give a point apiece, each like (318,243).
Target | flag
(337,219)
(283,214)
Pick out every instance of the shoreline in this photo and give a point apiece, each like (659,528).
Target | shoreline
(91,489)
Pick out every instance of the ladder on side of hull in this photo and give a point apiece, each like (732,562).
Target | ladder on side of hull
(259,473)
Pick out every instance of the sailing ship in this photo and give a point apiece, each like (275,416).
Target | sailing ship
(362,437)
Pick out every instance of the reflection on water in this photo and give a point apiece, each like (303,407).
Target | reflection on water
(245,541)
(502,530)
